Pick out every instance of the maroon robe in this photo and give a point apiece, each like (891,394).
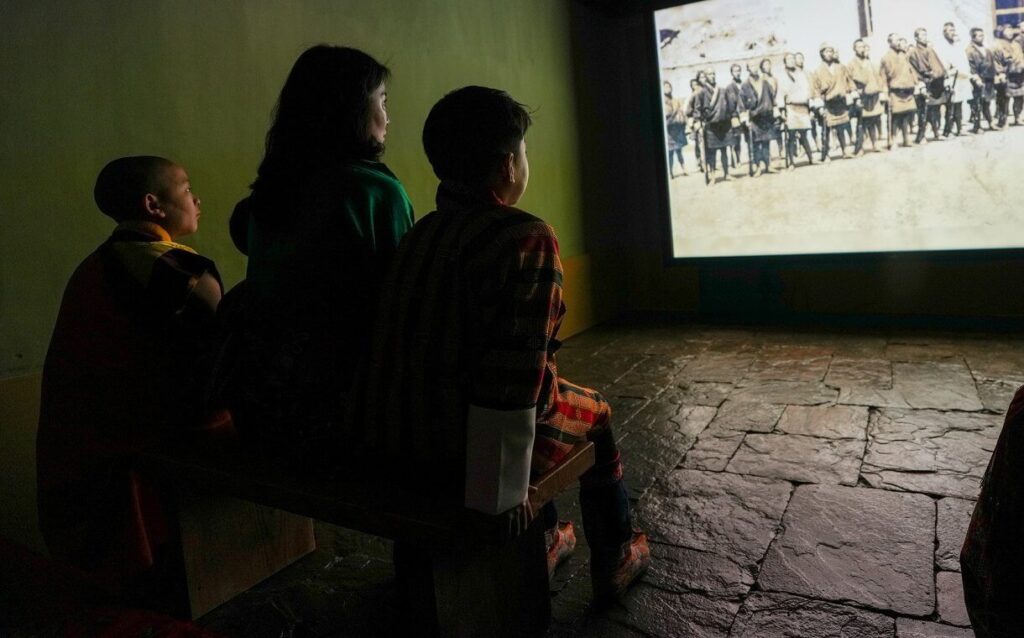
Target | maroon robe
(123,370)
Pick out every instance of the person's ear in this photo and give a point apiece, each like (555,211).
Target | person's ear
(151,203)
(509,166)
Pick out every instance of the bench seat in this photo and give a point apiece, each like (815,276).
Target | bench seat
(451,585)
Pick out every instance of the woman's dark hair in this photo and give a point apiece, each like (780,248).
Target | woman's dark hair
(469,130)
(322,115)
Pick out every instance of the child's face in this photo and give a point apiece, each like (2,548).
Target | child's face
(378,124)
(177,206)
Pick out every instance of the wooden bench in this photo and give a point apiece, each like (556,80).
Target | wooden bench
(452,583)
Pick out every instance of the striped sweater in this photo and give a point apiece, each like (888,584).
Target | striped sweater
(468,315)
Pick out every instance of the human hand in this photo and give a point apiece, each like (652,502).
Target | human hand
(518,518)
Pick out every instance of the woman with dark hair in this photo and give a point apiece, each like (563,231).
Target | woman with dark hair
(319,229)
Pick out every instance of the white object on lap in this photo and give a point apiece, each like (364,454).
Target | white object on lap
(499,447)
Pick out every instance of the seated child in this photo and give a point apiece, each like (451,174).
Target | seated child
(125,367)
(462,385)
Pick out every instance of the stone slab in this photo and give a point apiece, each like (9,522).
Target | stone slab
(656,612)
(661,416)
(938,386)
(859,373)
(950,593)
(857,346)
(681,569)
(624,409)
(647,455)
(656,439)
(654,415)
(602,370)
(723,367)
(911,628)
(713,450)
(786,392)
(927,351)
(709,393)
(596,338)
(729,340)
(794,346)
(942,453)
(871,397)
(768,614)
(804,459)
(866,382)
(693,419)
(829,421)
(725,514)
(996,394)
(996,361)
(647,379)
(782,368)
(737,416)
(954,516)
(870,547)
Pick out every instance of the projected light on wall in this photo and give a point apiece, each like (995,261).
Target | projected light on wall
(887,138)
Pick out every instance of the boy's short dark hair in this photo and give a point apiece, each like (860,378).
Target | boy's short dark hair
(470,129)
(123,183)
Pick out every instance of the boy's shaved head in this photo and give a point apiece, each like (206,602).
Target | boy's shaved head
(124,182)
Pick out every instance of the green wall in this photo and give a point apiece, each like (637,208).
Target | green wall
(195,80)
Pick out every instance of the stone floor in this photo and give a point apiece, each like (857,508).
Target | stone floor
(793,484)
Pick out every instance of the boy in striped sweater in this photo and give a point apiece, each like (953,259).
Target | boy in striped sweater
(462,384)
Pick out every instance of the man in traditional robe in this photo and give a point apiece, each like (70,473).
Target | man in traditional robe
(716,109)
(869,106)
(127,366)
(999,57)
(758,96)
(983,74)
(793,97)
(832,87)
(739,128)
(675,129)
(931,77)
(691,122)
(899,80)
(958,87)
(798,59)
(1009,59)
(769,76)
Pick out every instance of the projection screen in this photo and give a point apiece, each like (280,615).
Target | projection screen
(898,134)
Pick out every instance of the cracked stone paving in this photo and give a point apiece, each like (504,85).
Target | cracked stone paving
(792,483)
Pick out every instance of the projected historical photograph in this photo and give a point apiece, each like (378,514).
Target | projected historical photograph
(802,127)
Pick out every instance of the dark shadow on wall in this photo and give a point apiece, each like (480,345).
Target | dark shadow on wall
(619,135)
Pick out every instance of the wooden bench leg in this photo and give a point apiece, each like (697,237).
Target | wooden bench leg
(480,591)
(230,545)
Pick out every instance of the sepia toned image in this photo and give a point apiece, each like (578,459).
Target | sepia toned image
(874,126)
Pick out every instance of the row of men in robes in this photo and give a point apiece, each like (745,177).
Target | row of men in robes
(910,81)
